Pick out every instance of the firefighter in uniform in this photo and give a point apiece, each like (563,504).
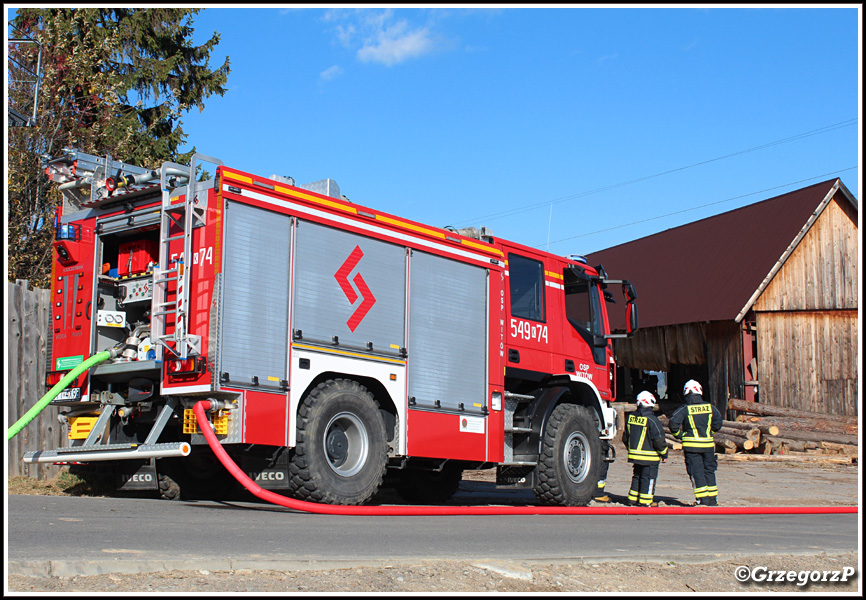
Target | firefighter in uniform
(694,423)
(645,439)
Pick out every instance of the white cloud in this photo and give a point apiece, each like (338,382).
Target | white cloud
(379,36)
(331,73)
(396,44)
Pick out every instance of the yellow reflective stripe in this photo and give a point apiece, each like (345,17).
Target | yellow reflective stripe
(484,247)
(317,200)
(640,441)
(424,230)
(378,217)
(692,423)
(353,354)
(698,444)
(650,457)
(237,177)
(646,452)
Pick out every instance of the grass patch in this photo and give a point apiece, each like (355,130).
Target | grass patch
(64,483)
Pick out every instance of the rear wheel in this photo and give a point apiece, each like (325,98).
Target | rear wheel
(570,457)
(199,476)
(341,451)
(168,487)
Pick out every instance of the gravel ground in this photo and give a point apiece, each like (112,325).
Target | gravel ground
(740,484)
(462,577)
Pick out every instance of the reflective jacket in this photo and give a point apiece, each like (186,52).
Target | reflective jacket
(644,437)
(694,424)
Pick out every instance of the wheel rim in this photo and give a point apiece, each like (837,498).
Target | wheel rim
(346,444)
(576,457)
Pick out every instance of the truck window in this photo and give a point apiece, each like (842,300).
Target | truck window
(527,287)
(582,307)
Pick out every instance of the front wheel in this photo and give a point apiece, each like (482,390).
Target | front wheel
(570,457)
(341,452)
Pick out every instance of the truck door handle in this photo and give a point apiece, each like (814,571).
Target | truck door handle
(513,356)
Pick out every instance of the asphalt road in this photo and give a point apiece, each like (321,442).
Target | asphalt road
(61,535)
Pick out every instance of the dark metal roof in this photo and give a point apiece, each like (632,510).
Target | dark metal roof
(708,270)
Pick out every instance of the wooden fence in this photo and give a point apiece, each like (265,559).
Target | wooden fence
(27,333)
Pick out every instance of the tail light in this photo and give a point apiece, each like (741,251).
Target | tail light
(188,366)
(52,378)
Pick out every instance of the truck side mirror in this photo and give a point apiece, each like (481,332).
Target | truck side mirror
(629,292)
(631,317)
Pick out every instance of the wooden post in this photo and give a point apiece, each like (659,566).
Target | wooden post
(781,411)
(801,424)
(748,425)
(794,445)
(740,443)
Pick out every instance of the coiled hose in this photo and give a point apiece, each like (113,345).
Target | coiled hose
(311,507)
(60,386)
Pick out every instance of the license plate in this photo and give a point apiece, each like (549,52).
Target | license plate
(69,394)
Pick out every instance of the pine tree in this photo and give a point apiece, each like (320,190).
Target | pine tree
(115,81)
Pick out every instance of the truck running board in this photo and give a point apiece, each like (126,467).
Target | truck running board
(108,452)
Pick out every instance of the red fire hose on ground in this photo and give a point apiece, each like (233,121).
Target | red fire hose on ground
(328,509)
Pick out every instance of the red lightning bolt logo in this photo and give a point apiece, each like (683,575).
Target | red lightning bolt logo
(342,277)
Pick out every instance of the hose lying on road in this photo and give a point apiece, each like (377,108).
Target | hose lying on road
(60,386)
(200,407)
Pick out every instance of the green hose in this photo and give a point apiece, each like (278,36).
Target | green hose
(52,393)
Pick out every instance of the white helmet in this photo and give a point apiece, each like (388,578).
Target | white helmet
(646,399)
(692,387)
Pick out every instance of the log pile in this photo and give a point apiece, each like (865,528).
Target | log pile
(763,431)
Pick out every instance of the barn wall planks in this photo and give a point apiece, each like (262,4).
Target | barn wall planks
(821,273)
(808,360)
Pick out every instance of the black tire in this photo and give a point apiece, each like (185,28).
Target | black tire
(419,486)
(341,451)
(570,458)
(168,488)
(199,476)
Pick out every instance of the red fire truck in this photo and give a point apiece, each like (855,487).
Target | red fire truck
(346,348)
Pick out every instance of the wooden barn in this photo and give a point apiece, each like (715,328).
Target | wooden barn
(758,303)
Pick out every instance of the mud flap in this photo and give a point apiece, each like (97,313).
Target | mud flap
(515,478)
(269,471)
(133,475)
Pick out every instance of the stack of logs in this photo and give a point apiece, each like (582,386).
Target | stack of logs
(764,430)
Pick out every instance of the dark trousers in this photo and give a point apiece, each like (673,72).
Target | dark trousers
(602,472)
(643,483)
(701,467)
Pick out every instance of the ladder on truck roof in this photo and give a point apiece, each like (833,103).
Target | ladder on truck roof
(185,215)
(90,181)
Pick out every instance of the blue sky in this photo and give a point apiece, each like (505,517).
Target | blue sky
(571,129)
